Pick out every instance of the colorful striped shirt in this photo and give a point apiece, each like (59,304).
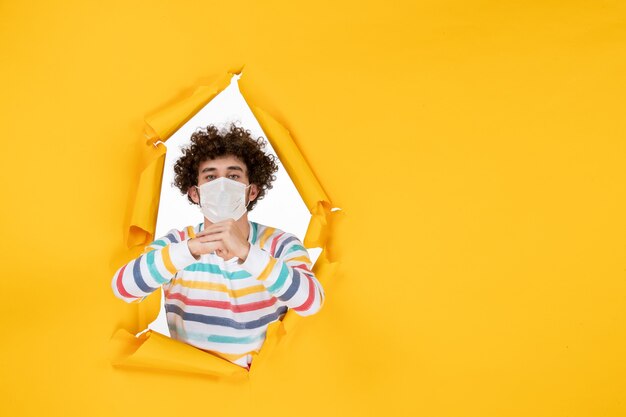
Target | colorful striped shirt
(223,306)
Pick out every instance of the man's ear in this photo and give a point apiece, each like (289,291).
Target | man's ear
(193,193)
(254,192)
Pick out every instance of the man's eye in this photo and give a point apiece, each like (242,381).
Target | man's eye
(235,175)
(209,177)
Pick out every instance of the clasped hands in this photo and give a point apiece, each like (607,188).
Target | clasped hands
(224,238)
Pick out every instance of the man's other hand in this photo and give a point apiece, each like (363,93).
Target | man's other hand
(224,238)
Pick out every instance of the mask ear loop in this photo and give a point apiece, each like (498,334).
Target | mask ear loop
(198,192)
(244,196)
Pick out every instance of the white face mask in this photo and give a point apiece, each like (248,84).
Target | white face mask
(222,199)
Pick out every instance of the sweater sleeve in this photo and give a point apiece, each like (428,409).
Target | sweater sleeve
(287,275)
(156,266)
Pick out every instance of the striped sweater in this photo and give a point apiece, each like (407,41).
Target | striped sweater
(224,307)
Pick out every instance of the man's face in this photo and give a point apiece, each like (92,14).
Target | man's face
(228,166)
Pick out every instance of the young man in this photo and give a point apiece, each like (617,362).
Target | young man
(226,279)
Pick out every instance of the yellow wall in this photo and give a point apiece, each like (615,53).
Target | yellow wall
(476,149)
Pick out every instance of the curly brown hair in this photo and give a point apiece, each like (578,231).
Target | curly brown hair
(210,143)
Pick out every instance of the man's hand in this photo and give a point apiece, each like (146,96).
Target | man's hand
(224,238)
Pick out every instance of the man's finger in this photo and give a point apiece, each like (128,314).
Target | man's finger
(208,231)
(214,228)
(222,225)
(213,237)
(210,247)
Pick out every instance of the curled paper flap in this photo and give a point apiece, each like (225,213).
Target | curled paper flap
(155,351)
(318,229)
(292,159)
(146,204)
(148,310)
(162,124)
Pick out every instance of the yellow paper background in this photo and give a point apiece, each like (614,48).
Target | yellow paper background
(476,148)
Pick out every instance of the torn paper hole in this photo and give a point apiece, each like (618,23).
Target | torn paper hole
(152,350)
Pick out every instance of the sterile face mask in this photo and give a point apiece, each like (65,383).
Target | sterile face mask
(222,199)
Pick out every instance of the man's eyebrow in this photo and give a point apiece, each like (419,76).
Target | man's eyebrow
(231,168)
